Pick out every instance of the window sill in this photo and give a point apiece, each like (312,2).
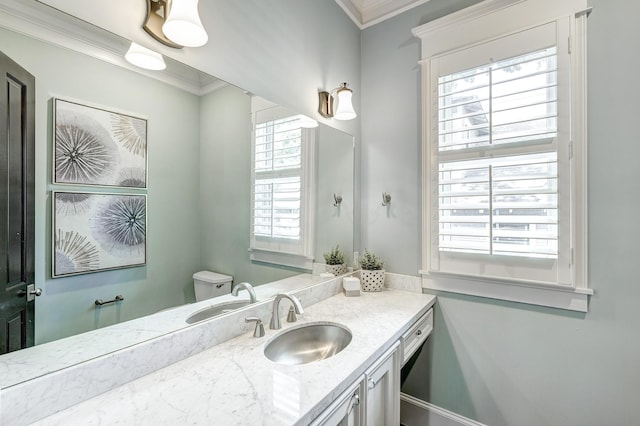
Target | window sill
(569,298)
(281,258)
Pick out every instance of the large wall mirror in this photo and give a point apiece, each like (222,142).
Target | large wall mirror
(199,176)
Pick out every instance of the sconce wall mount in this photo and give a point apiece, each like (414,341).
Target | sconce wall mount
(325,107)
(157,11)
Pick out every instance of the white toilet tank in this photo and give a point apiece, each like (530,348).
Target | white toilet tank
(208,284)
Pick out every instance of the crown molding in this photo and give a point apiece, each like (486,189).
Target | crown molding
(365,13)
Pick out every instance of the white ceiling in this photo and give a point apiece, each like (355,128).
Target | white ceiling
(369,12)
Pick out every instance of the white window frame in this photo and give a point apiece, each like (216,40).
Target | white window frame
(482,23)
(291,253)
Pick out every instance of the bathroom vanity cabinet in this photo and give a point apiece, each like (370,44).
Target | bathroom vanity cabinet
(382,401)
(374,399)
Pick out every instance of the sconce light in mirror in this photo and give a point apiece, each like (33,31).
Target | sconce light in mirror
(343,110)
(175,23)
(144,58)
(307,122)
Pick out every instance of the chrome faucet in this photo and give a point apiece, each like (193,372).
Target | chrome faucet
(275,318)
(246,286)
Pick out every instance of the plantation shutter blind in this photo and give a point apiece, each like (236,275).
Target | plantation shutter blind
(282,219)
(499,141)
(278,175)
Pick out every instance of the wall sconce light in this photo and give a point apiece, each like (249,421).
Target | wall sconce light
(144,58)
(175,23)
(344,108)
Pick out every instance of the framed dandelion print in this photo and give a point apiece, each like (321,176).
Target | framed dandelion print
(97,231)
(95,146)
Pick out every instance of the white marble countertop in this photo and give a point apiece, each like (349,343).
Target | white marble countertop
(233,383)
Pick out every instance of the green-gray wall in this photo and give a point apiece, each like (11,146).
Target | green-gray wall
(504,363)
(334,225)
(67,305)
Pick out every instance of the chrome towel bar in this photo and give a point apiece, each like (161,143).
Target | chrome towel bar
(100,302)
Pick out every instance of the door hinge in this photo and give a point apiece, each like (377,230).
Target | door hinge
(569,45)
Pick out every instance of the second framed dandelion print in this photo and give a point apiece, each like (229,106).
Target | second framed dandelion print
(96,231)
(95,146)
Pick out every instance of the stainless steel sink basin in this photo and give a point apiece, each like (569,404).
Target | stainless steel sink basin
(214,311)
(308,343)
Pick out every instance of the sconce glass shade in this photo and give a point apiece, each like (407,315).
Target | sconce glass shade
(307,122)
(344,110)
(183,25)
(144,58)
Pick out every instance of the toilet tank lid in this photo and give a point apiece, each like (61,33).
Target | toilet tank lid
(212,277)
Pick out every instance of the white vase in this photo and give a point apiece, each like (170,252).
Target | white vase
(372,280)
(337,269)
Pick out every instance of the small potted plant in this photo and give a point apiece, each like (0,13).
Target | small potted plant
(335,261)
(371,272)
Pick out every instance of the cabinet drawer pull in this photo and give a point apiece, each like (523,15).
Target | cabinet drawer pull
(372,384)
(219,285)
(419,333)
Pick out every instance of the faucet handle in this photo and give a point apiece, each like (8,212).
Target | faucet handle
(291,317)
(259,330)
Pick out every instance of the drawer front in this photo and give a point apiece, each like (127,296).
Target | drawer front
(416,335)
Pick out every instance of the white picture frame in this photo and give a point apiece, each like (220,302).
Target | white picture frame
(98,146)
(95,232)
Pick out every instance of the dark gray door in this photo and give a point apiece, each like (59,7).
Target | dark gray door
(16,206)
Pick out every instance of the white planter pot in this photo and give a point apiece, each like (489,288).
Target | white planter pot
(372,280)
(337,269)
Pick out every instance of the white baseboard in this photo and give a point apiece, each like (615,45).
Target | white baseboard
(415,412)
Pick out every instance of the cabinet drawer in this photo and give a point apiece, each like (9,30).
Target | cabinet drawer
(416,335)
